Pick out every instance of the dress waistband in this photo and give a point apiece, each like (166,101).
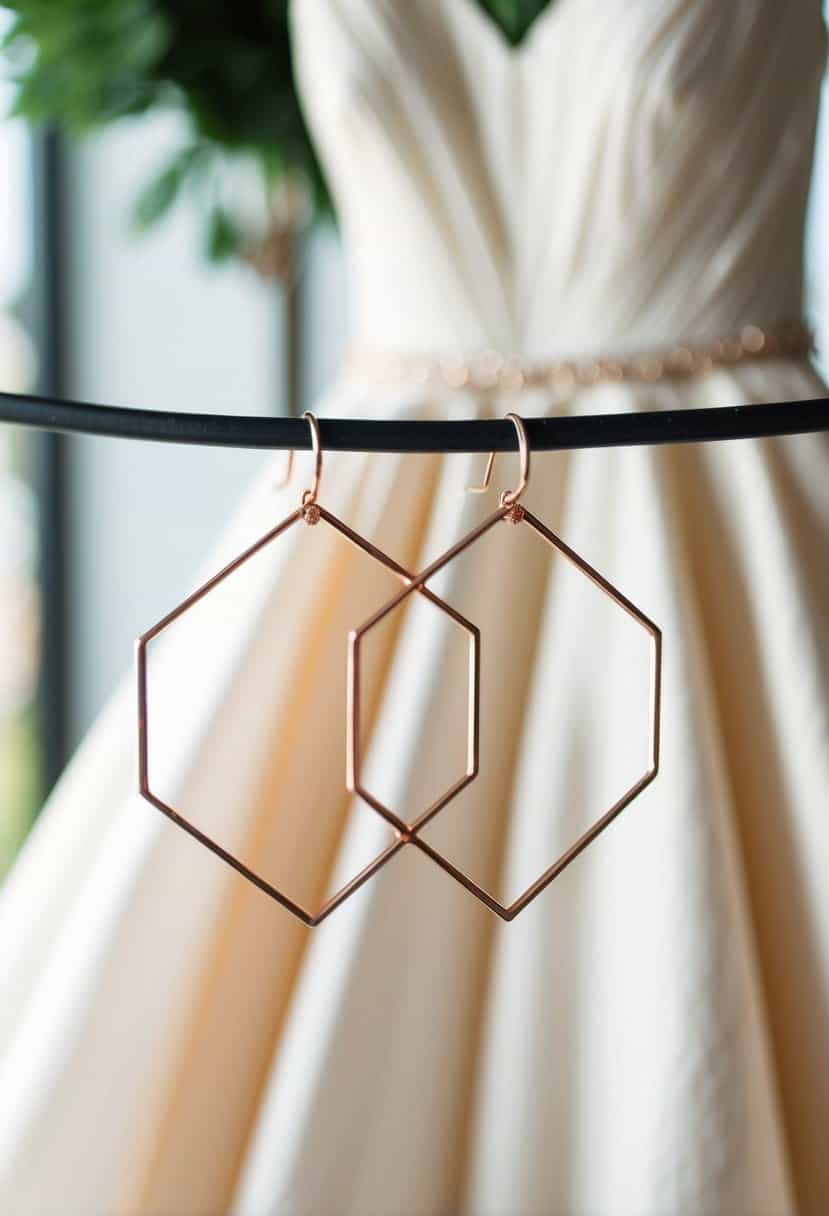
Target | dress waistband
(490,371)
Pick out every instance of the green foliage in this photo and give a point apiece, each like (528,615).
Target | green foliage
(226,64)
(83,64)
(222,235)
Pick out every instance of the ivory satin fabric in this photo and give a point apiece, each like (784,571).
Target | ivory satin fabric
(650,1035)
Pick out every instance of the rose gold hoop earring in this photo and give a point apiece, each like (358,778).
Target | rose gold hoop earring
(311,513)
(512,511)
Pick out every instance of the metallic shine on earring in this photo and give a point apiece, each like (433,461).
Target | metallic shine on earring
(311,513)
(510,510)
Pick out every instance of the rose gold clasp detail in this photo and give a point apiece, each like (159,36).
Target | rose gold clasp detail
(509,498)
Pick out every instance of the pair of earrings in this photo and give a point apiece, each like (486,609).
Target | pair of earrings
(311,512)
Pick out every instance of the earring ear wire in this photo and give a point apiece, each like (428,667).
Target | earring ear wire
(509,498)
(316,448)
(284,480)
(485,484)
(310,510)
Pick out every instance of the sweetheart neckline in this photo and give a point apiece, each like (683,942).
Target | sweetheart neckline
(542,22)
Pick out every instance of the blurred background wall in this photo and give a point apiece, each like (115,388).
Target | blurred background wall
(150,324)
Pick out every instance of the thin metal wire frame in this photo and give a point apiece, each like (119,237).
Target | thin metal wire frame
(517,514)
(310,512)
(354,779)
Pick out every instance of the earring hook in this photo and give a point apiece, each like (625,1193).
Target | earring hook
(485,484)
(286,476)
(309,497)
(509,497)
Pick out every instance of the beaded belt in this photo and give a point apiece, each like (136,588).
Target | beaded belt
(490,371)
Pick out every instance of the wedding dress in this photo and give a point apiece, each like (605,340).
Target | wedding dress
(648,1036)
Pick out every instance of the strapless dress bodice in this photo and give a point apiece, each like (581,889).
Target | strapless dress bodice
(634,172)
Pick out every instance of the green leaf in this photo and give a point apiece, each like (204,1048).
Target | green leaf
(158,197)
(223,238)
(186,167)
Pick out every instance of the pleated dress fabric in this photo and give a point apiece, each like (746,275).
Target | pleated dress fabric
(649,1036)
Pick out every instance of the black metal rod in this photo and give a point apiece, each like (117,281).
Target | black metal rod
(358,435)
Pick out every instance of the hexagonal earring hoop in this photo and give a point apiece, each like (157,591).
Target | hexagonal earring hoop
(311,513)
(511,510)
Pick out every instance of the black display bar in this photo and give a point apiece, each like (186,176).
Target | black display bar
(359,435)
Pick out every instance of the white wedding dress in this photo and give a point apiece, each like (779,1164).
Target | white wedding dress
(649,1036)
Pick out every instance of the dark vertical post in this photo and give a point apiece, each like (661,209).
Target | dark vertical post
(294,385)
(49,198)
